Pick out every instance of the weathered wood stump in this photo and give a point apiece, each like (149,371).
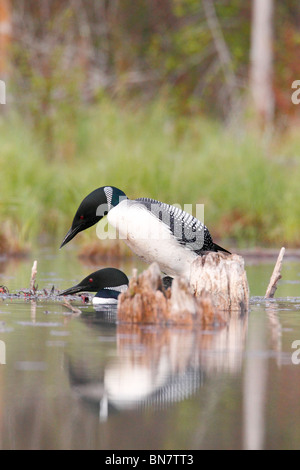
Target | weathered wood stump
(146,301)
(218,287)
(224,277)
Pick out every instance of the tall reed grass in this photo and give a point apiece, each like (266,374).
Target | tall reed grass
(248,181)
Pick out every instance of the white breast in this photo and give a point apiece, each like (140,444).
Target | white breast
(150,238)
(104,301)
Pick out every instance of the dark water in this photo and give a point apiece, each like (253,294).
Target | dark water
(85,382)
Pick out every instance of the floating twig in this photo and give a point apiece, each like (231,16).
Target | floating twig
(33,286)
(71,307)
(276,275)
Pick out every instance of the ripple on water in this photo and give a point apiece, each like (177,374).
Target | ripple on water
(56,343)
(30,365)
(4,328)
(39,323)
(59,333)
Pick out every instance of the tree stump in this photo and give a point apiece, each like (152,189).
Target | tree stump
(218,286)
(145,300)
(224,278)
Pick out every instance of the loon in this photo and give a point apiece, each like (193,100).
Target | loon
(154,230)
(107,282)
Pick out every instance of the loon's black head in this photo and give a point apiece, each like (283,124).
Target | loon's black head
(107,277)
(93,207)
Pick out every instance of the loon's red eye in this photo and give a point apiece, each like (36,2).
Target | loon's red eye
(90,279)
(81,217)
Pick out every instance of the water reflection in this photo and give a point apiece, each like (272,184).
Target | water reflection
(89,382)
(254,385)
(153,365)
(272,310)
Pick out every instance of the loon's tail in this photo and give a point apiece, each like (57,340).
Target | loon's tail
(219,248)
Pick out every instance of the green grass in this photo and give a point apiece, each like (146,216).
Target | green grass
(248,182)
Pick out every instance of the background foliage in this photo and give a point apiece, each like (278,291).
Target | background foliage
(136,94)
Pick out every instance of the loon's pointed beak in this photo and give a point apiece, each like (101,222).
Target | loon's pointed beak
(74,290)
(79,226)
(71,234)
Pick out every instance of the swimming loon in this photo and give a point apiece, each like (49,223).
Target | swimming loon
(154,230)
(107,282)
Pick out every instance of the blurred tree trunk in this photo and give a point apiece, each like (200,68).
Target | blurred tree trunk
(5,32)
(261,59)
(222,49)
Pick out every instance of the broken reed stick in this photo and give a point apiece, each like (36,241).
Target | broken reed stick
(67,304)
(33,276)
(276,275)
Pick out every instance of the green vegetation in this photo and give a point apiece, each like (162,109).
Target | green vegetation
(248,181)
(152,97)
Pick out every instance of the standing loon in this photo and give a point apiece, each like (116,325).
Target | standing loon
(107,282)
(155,231)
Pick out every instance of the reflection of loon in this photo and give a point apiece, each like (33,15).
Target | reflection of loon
(111,394)
(150,367)
(138,367)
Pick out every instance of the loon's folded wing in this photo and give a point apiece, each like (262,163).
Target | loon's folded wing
(188,230)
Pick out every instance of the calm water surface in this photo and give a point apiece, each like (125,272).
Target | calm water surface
(85,382)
